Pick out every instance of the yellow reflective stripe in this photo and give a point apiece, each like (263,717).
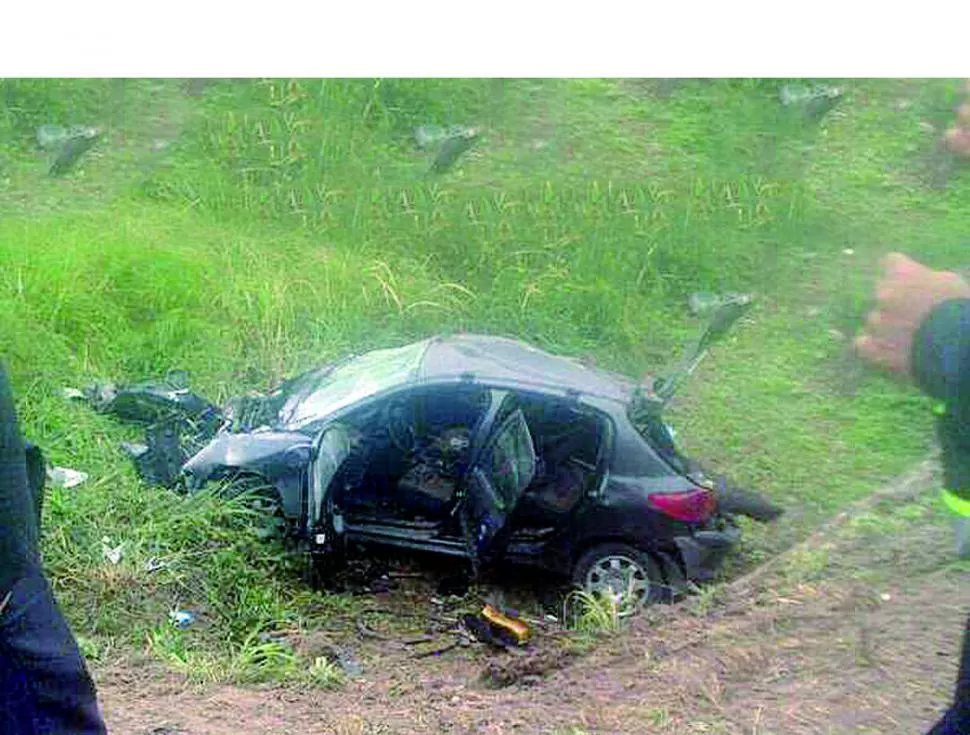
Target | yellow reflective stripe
(954,502)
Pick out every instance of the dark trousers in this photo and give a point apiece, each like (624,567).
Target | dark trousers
(44,684)
(956,721)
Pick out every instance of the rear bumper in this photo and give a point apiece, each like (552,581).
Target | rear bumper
(703,552)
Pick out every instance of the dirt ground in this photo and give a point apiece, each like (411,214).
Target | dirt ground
(856,631)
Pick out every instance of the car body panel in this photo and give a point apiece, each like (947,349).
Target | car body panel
(281,458)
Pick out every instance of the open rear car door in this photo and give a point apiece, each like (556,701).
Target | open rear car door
(493,485)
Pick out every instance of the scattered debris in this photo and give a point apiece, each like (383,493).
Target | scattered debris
(111,553)
(497,628)
(885,597)
(50,137)
(701,303)
(154,564)
(348,663)
(527,669)
(813,102)
(196,87)
(65,477)
(72,143)
(508,621)
(152,400)
(178,422)
(181,618)
(452,142)
(72,394)
(318,645)
(957,138)
(427,136)
(848,251)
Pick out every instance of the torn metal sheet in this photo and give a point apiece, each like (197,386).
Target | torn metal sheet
(65,477)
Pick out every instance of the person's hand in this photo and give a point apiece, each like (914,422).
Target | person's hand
(907,292)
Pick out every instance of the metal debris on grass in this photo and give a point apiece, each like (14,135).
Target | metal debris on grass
(181,618)
(65,477)
(451,141)
(701,303)
(70,143)
(111,553)
(813,101)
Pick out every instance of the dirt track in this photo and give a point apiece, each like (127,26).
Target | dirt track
(856,632)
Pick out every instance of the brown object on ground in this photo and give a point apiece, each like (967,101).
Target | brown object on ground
(958,141)
(963,115)
(957,138)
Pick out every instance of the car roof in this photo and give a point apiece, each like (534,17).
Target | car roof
(491,359)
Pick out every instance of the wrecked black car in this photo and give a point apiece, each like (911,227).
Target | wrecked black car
(478,447)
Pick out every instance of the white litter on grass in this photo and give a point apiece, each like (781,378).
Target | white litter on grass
(848,251)
(111,553)
(65,477)
(72,394)
(181,618)
(885,597)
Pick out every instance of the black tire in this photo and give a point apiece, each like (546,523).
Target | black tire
(625,561)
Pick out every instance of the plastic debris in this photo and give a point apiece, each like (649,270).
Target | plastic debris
(65,477)
(50,137)
(814,102)
(428,136)
(181,618)
(702,303)
(453,147)
(348,663)
(72,394)
(77,142)
(154,564)
(502,629)
(111,553)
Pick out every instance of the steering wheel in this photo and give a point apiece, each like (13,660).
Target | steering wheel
(399,422)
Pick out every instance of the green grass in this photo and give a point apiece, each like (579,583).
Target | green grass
(593,614)
(283,223)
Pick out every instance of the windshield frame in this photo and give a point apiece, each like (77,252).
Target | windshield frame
(321,393)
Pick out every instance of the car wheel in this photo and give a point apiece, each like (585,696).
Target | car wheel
(624,573)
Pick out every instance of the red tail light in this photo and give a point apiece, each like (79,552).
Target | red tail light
(693,506)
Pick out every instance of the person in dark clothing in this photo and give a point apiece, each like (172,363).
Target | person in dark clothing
(920,327)
(44,684)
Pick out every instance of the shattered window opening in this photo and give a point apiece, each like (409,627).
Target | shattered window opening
(351,382)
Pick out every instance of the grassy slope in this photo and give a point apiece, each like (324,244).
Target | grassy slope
(289,222)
